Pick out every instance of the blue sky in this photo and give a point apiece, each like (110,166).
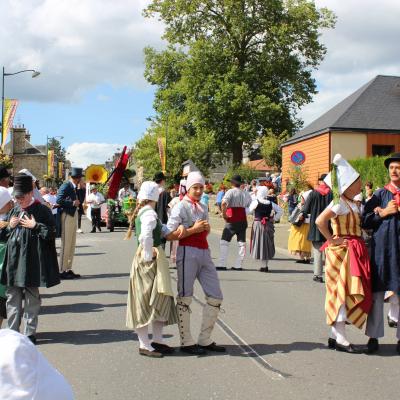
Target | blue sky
(92,90)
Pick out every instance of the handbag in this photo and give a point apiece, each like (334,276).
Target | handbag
(294,217)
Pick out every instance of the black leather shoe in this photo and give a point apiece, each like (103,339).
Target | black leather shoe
(65,275)
(162,348)
(194,350)
(317,278)
(348,349)
(73,274)
(391,323)
(236,269)
(93,231)
(372,346)
(398,347)
(32,338)
(263,269)
(214,347)
(331,344)
(220,268)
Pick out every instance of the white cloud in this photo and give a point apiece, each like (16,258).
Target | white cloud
(363,44)
(76,44)
(84,154)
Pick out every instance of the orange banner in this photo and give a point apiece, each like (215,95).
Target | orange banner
(163,156)
(10,107)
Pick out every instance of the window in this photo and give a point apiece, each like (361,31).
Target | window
(382,150)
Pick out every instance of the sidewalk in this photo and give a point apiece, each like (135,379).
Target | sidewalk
(281,230)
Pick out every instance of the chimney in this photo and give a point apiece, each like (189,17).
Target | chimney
(28,136)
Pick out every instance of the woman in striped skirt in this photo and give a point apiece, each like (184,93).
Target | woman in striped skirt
(347,268)
(150,296)
(262,246)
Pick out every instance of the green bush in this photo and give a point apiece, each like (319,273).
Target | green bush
(247,173)
(371,169)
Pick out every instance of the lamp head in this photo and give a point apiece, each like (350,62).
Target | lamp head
(35,74)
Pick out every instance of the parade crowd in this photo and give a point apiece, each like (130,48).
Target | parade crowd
(354,244)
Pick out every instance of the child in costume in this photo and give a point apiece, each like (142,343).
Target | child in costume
(6,204)
(30,260)
(193,262)
(150,297)
(347,271)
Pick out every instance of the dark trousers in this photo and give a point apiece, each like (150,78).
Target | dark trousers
(79,219)
(96,218)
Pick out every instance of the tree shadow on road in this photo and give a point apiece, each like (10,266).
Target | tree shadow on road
(83,293)
(78,308)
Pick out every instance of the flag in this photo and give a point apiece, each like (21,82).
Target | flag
(50,163)
(10,107)
(60,169)
(163,156)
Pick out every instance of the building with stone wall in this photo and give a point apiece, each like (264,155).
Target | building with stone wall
(26,155)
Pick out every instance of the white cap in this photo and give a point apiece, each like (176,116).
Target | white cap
(194,178)
(5,196)
(149,191)
(29,173)
(346,174)
(26,374)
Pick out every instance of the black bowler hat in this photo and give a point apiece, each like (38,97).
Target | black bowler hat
(76,172)
(22,184)
(236,180)
(4,173)
(322,177)
(393,157)
(158,177)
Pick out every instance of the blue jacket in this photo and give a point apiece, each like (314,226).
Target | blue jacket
(66,195)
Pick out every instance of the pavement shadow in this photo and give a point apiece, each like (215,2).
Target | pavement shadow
(101,276)
(89,254)
(78,308)
(82,293)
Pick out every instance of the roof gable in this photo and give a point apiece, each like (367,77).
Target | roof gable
(374,106)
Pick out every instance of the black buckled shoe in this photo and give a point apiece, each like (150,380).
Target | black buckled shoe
(220,268)
(65,275)
(162,348)
(194,350)
(391,322)
(331,343)
(348,349)
(214,347)
(372,346)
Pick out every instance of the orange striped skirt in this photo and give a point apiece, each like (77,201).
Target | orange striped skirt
(342,288)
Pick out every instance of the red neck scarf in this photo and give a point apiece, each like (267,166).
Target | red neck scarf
(323,189)
(396,192)
(195,203)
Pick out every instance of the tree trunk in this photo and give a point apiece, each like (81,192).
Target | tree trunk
(237,153)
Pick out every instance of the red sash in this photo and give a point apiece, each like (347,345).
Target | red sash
(396,193)
(198,240)
(236,214)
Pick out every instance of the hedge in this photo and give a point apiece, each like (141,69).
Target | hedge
(372,170)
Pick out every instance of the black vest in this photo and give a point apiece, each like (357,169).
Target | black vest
(262,211)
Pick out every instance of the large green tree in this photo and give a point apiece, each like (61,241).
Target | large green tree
(236,68)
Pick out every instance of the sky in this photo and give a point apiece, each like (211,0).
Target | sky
(92,93)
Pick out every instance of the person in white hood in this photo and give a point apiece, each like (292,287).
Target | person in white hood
(25,374)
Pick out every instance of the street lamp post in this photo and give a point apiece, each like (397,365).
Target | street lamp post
(34,75)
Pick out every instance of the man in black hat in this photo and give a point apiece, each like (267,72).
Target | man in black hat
(31,256)
(163,200)
(233,208)
(67,198)
(4,177)
(381,215)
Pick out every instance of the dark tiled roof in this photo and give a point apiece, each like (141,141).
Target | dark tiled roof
(375,106)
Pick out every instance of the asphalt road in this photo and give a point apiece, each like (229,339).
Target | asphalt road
(273,326)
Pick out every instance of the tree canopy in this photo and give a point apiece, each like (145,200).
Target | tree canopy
(233,70)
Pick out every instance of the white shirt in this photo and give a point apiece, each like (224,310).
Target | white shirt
(236,197)
(148,219)
(342,208)
(52,200)
(95,199)
(126,193)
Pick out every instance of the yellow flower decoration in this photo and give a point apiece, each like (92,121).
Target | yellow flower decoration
(96,174)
